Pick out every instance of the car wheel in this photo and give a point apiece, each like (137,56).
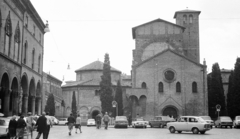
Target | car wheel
(160,126)
(151,126)
(172,129)
(202,132)
(195,131)
(230,126)
(179,131)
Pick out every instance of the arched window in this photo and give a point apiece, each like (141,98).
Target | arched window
(33,55)
(8,35)
(39,63)
(190,19)
(160,87)
(184,19)
(16,43)
(25,52)
(144,85)
(194,87)
(178,87)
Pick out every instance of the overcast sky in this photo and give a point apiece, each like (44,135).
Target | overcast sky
(82,31)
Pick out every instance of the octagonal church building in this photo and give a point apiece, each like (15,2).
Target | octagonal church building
(167,76)
(87,90)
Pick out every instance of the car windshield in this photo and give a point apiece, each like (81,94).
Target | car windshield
(201,120)
(225,118)
(206,117)
(121,118)
(91,120)
(62,119)
(139,119)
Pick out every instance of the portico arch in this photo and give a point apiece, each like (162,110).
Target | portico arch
(170,111)
(31,96)
(134,105)
(13,105)
(4,94)
(38,99)
(23,95)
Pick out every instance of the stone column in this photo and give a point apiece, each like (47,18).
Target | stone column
(33,105)
(6,102)
(25,105)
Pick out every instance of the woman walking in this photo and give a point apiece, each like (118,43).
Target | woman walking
(12,126)
(78,124)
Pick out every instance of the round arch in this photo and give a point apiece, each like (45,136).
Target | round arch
(171,111)
(4,90)
(31,96)
(134,104)
(95,111)
(13,106)
(23,93)
(142,105)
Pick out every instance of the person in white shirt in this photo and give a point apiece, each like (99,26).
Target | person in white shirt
(49,124)
(30,124)
(78,124)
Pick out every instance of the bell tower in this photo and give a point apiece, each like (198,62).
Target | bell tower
(190,20)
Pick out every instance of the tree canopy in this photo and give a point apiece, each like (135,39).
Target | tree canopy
(50,106)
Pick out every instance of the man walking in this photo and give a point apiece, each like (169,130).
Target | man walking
(49,124)
(41,126)
(106,119)
(71,121)
(98,120)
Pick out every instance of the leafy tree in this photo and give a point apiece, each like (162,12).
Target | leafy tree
(50,106)
(236,88)
(230,96)
(106,96)
(215,91)
(74,105)
(118,98)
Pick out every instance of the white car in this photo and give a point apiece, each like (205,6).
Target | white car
(91,122)
(62,121)
(236,122)
(4,126)
(193,124)
(139,122)
(208,120)
(55,121)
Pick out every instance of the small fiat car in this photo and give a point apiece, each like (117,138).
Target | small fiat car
(139,122)
(193,124)
(208,120)
(236,122)
(121,121)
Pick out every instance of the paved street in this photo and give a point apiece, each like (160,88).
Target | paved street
(61,132)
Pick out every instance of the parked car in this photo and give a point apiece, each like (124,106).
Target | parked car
(139,122)
(236,121)
(4,126)
(121,121)
(55,121)
(208,120)
(91,122)
(224,121)
(62,121)
(189,124)
(160,121)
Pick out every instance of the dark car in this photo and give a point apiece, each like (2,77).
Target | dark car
(160,121)
(121,121)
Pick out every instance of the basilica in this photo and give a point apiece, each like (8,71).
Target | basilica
(167,77)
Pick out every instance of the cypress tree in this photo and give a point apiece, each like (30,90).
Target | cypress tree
(230,96)
(74,105)
(236,88)
(118,98)
(50,106)
(215,91)
(106,96)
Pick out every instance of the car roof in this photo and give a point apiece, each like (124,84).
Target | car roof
(190,116)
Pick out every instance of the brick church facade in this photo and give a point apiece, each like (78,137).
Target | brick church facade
(167,77)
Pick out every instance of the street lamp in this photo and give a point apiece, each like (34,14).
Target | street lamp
(115,104)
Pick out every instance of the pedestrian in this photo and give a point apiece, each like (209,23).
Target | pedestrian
(12,126)
(129,120)
(21,124)
(30,124)
(41,126)
(49,124)
(106,119)
(71,122)
(99,120)
(78,124)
